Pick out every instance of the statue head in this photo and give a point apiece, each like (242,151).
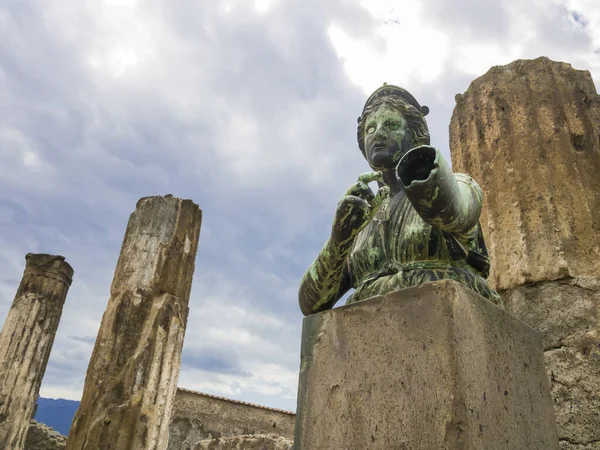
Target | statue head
(406,126)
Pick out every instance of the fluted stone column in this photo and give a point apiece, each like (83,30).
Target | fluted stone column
(26,340)
(132,377)
(529,133)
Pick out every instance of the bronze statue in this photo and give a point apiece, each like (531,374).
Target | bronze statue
(422,225)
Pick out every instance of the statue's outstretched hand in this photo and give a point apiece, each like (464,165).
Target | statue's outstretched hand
(357,207)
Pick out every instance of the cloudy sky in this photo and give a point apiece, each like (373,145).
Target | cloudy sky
(249,108)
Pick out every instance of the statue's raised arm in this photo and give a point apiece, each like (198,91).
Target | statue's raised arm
(422,225)
(451,202)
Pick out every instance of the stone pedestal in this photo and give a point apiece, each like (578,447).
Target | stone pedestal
(26,340)
(132,377)
(434,367)
(528,133)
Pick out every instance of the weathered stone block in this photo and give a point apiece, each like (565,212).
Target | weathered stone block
(528,133)
(434,367)
(567,314)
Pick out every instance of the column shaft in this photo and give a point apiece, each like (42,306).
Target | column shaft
(132,377)
(26,340)
(529,134)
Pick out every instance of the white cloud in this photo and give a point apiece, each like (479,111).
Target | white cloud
(412,45)
(404,49)
(20,158)
(262,6)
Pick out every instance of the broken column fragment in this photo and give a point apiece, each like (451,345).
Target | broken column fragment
(132,376)
(529,133)
(26,341)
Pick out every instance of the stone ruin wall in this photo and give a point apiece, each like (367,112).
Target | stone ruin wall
(252,442)
(204,422)
(42,437)
(200,417)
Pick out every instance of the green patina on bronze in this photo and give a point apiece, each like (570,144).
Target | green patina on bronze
(422,224)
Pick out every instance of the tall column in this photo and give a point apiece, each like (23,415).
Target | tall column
(529,133)
(26,340)
(132,376)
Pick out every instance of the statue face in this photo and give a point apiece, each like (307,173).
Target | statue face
(386,137)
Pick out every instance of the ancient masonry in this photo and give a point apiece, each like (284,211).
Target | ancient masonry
(202,421)
(26,340)
(423,368)
(249,442)
(529,133)
(132,376)
(42,437)
(198,417)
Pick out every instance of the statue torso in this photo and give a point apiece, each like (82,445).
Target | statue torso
(398,249)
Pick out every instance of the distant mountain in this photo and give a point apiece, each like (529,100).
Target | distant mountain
(56,413)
